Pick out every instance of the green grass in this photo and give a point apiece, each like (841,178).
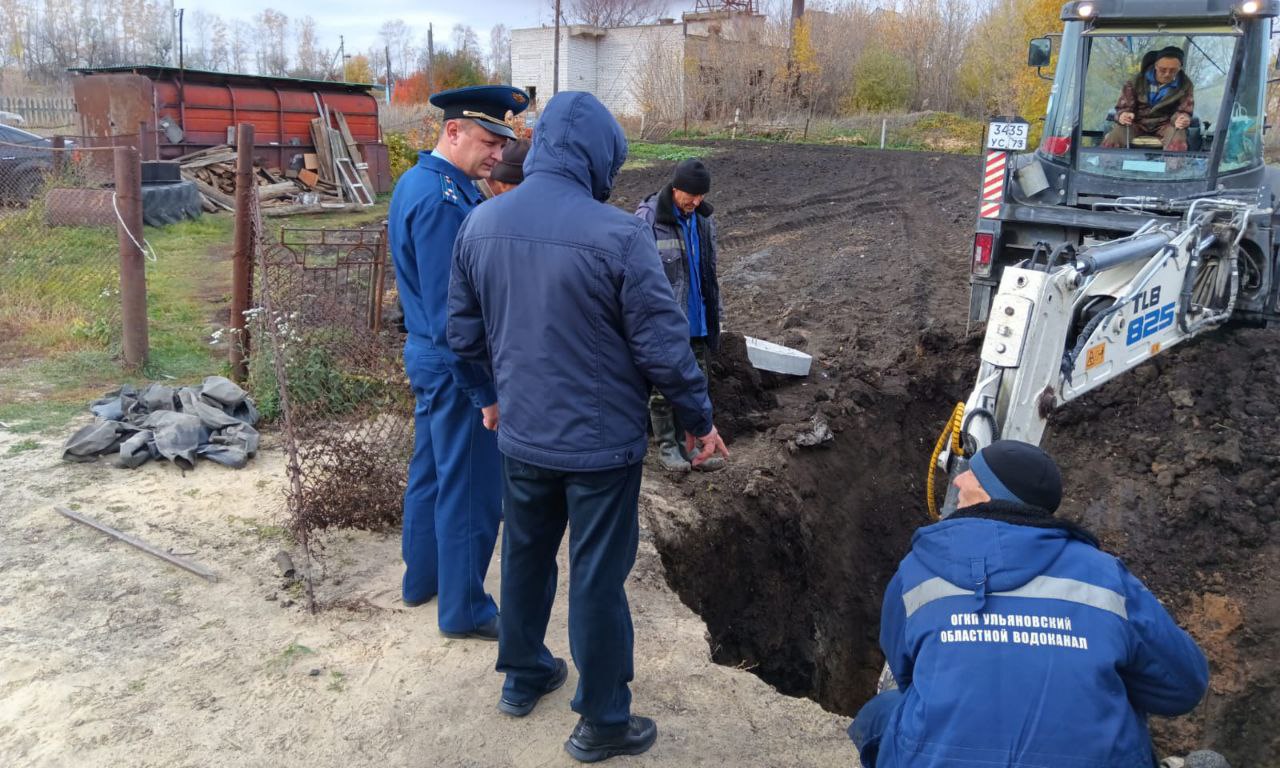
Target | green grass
(286,658)
(60,310)
(930,132)
(641,154)
(26,418)
(22,446)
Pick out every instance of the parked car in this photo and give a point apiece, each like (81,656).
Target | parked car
(24,160)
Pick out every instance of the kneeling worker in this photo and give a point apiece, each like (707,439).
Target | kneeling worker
(1015,640)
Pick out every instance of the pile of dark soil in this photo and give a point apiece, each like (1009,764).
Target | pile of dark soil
(860,258)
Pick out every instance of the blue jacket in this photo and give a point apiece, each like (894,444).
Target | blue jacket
(566,295)
(1027,647)
(428,206)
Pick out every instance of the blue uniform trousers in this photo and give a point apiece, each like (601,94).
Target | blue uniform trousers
(452,504)
(601,510)
(870,723)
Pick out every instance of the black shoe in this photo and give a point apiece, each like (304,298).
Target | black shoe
(591,744)
(486,631)
(522,708)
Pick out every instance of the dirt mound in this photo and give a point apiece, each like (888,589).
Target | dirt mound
(859,257)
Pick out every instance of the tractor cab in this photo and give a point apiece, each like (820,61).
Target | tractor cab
(1153,103)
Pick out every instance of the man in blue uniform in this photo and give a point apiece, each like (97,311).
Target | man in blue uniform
(566,295)
(1015,640)
(453,501)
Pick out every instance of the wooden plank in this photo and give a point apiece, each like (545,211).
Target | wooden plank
(324,151)
(308,178)
(310,161)
(181,562)
(273,191)
(202,152)
(211,159)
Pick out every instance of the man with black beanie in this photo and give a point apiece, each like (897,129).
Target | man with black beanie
(686,236)
(1015,640)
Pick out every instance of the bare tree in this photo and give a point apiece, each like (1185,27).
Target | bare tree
(397,36)
(611,13)
(241,45)
(196,39)
(309,63)
(500,53)
(658,84)
(466,43)
(273,56)
(219,45)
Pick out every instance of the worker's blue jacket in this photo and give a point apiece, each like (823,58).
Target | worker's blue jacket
(1026,647)
(566,296)
(428,206)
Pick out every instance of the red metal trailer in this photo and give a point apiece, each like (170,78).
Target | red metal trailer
(178,111)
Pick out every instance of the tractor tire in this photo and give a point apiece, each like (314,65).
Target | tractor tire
(170,203)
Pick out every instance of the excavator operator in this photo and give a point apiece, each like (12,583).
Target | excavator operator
(1157,102)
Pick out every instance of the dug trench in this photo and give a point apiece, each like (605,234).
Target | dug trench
(859,258)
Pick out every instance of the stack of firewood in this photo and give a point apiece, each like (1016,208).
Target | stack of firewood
(213,171)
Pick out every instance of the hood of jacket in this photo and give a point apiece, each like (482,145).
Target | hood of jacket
(578,139)
(988,555)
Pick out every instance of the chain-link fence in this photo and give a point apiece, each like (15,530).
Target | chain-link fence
(59,253)
(326,364)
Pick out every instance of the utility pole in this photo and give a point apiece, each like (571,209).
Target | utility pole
(555,69)
(342,56)
(181,11)
(386,51)
(431,61)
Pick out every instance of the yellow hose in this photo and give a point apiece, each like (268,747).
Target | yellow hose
(952,430)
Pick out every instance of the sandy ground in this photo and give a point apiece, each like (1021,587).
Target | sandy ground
(109,657)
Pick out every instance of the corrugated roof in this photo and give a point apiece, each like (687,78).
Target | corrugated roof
(204,75)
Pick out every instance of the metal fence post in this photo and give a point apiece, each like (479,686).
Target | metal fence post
(242,259)
(133,269)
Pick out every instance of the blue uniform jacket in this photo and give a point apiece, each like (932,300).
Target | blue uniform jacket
(1024,647)
(567,295)
(428,206)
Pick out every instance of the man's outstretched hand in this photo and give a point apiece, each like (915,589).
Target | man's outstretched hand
(710,444)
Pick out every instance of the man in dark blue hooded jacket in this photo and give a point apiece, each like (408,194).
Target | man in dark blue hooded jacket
(565,296)
(1016,641)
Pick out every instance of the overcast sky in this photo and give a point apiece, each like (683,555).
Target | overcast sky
(359,20)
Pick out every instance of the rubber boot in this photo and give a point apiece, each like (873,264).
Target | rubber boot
(664,431)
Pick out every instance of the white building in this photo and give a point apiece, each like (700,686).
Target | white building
(624,67)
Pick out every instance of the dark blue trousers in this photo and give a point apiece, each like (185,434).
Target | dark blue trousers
(601,511)
(453,502)
(870,723)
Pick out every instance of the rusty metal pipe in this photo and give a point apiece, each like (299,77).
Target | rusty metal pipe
(133,269)
(242,258)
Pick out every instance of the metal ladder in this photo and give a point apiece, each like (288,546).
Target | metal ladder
(351,179)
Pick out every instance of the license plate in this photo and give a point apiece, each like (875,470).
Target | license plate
(1008,136)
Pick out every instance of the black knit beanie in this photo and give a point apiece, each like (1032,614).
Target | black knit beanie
(1011,470)
(510,169)
(692,177)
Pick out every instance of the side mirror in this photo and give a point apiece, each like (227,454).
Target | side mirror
(1038,51)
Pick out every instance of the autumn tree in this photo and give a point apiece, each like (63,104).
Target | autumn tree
(358,69)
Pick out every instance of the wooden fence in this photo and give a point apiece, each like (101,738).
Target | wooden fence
(41,112)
